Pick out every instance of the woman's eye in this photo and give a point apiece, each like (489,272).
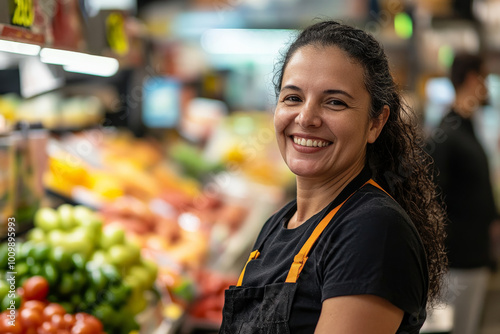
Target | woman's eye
(292,99)
(337,104)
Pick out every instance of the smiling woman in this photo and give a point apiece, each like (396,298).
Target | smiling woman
(360,250)
(323,99)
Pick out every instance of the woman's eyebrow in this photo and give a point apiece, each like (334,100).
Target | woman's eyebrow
(338,91)
(327,91)
(292,87)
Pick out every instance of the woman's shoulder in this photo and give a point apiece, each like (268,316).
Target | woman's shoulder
(371,210)
(374,248)
(369,199)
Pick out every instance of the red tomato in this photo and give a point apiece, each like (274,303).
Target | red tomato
(90,320)
(83,328)
(35,305)
(51,309)
(47,328)
(5,326)
(70,320)
(30,318)
(36,287)
(58,321)
(31,330)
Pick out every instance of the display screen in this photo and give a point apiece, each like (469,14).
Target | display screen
(161,104)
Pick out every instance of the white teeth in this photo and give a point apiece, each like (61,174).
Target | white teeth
(309,142)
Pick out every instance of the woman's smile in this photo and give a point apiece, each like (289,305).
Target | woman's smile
(309,142)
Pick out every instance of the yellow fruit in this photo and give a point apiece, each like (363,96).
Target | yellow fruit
(68,168)
(106,185)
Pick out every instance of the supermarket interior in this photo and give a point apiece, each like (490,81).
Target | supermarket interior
(138,157)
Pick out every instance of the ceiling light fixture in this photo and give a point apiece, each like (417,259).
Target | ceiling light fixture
(80,62)
(19,48)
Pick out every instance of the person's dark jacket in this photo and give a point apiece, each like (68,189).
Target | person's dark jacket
(463,175)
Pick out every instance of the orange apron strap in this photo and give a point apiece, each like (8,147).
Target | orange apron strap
(301,258)
(373,183)
(253,255)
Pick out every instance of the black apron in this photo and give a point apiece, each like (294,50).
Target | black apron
(266,309)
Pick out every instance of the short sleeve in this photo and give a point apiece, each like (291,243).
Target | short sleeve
(376,250)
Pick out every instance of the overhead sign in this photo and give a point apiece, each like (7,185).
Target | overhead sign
(20,35)
(107,32)
(116,34)
(20,21)
(22,13)
(67,25)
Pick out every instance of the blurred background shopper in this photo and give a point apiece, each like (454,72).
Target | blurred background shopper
(464,177)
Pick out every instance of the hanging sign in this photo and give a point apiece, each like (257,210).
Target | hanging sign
(116,33)
(67,25)
(23,21)
(22,13)
(20,35)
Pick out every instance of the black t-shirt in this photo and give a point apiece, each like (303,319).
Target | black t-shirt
(370,247)
(464,177)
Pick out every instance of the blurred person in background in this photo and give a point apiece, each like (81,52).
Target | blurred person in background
(463,175)
(361,248)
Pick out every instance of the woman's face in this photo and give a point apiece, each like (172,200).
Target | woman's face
(321,119)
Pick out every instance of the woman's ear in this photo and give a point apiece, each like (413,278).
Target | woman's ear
(377,124)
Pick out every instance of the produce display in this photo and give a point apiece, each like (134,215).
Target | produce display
(53,110)
(165,234)
(31,313)
(109,169)
(162,215)
(88,268)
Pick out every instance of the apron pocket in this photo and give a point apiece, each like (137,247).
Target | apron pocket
(258,310)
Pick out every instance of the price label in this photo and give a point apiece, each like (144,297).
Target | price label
(22,13)
(115,31)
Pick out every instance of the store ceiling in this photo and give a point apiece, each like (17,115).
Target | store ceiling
(266,13)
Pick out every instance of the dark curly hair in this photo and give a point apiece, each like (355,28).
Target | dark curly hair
(397,158)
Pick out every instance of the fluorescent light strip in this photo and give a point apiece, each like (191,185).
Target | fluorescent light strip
(245,41)
(80,62)
(101,70)
(19,48)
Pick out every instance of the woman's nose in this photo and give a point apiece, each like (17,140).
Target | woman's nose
(309,116)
